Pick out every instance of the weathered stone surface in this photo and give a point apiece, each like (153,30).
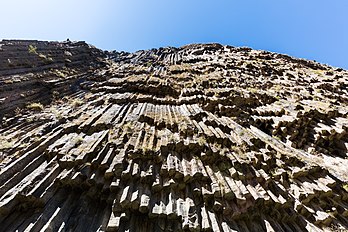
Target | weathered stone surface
(204,137)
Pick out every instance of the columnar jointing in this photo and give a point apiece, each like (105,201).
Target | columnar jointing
(199,138)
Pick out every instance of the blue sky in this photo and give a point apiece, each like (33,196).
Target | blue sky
(311,29)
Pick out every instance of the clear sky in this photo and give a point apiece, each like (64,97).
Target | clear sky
(312,29)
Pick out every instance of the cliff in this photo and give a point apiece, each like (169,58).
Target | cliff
(203,137)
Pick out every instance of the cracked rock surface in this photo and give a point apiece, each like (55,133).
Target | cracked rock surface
(204,137)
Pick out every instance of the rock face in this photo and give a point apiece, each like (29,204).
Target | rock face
(199,138)
(37,71)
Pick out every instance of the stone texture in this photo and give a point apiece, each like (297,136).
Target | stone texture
(204,137)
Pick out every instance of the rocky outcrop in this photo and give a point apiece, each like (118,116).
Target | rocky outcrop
(38,71)
(199,138)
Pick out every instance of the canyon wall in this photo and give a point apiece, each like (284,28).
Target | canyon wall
(203,137)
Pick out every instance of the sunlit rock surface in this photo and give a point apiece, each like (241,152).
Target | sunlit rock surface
(204,137)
